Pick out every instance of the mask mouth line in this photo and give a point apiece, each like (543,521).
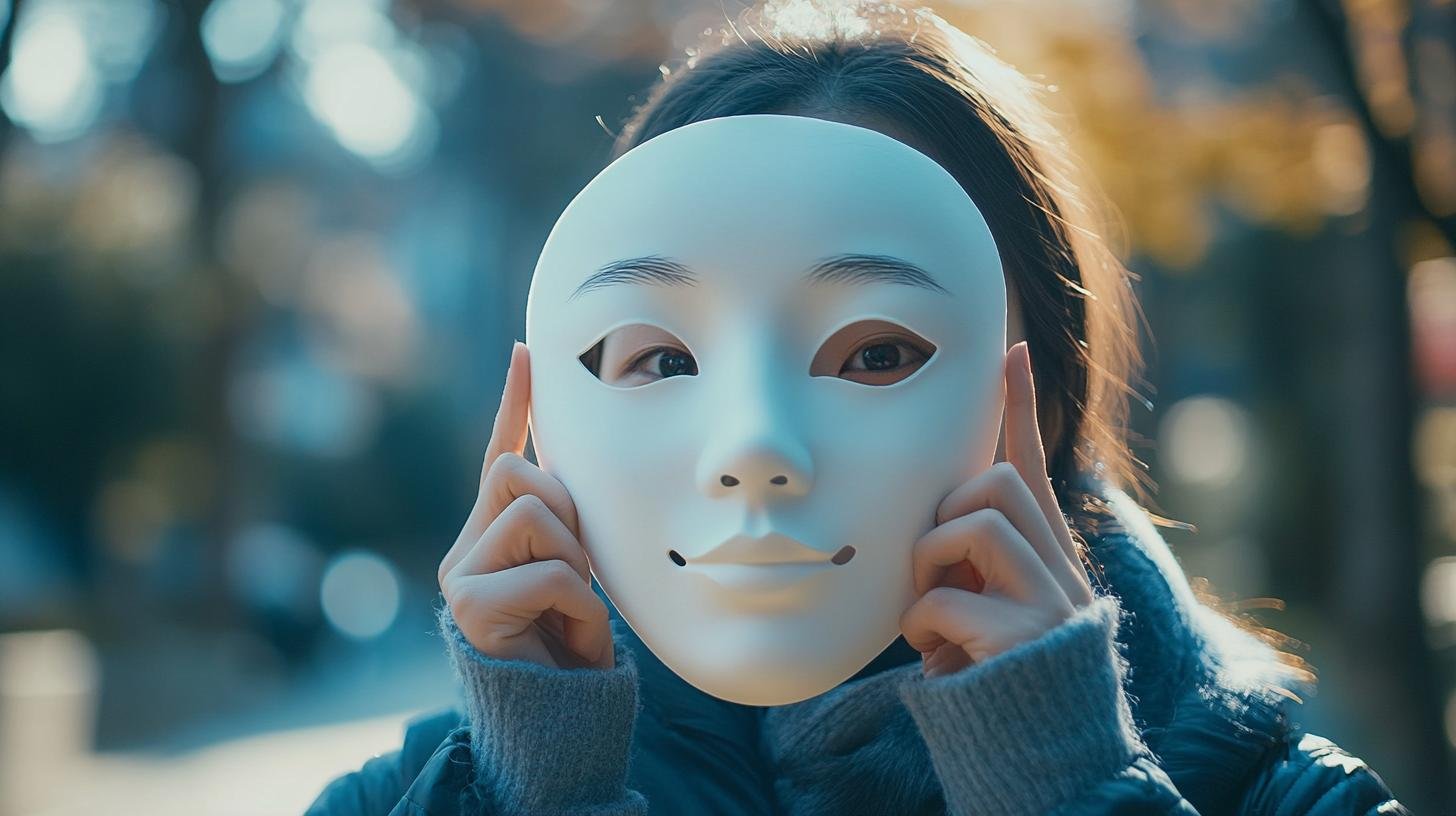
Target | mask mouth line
(840,558)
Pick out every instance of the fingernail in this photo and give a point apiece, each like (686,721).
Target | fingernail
(510,364)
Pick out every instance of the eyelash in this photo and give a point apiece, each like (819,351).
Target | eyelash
(891,339)
(639,359)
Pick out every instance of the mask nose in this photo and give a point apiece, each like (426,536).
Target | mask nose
(764,471)
(759,460)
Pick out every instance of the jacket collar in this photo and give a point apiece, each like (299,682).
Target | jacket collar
(1208,696)
(1205,694)
(1175,644)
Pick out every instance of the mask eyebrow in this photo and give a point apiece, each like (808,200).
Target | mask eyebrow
(854,268)
(862,268)
(649,269)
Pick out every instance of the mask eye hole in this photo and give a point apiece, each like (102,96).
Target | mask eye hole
(637,354)
(872,352)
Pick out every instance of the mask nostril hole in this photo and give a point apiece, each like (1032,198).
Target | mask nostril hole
(728,481)
(780,480)
(843,556)
(676,558)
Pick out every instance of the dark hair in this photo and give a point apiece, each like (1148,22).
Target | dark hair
(933,87)
(905,71)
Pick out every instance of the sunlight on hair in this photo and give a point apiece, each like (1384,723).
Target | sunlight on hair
(795,19)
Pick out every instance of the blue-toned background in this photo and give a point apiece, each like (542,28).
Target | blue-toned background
(262,261)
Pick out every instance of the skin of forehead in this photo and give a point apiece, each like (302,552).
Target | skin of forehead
(740,198)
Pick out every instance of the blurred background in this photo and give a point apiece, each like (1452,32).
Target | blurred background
(262,261)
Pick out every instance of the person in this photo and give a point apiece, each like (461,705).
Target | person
(1113,688)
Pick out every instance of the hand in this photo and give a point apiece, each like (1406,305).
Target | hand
(1001,566)
(517,580)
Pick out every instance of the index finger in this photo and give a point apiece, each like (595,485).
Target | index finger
(507,435)
(1024,450)
(510,429)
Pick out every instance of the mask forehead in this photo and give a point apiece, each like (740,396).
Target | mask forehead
(750,204)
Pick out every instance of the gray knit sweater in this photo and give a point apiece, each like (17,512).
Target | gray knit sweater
(1023,730)
(1020,733)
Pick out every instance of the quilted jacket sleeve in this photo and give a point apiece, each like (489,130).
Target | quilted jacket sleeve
(1044,728)
(1308,775)
(374,788)
(1305,775)
(432,766)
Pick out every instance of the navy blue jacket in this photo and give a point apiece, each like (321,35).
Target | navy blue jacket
(1220,747)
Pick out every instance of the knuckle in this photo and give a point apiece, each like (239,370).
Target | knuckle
(503,467)
(531,503)
(925,543)
(991,522)
(1003,529)
(939,600)
(493,472)
(918,614)
(486,641)
(510,461)
(525,507)
(925,549)
(466,607)
(471,611)
(1005,472)
(560,574)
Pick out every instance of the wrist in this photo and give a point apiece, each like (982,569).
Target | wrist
(546,738)
(1034,725)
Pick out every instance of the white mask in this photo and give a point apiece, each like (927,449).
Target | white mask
(770,417)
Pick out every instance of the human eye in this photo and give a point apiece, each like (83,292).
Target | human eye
(637,354)
(670,362)
(872,352)
(884,360)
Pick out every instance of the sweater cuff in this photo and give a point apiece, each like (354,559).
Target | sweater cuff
(1034,726)
(548,740)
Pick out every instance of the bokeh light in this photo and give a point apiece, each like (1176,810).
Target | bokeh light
(1438,592)
(274,568)
(299,401)
(52,88)
(1205,441)
(364,82)
(360,594)
(242,37)
(358,93)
